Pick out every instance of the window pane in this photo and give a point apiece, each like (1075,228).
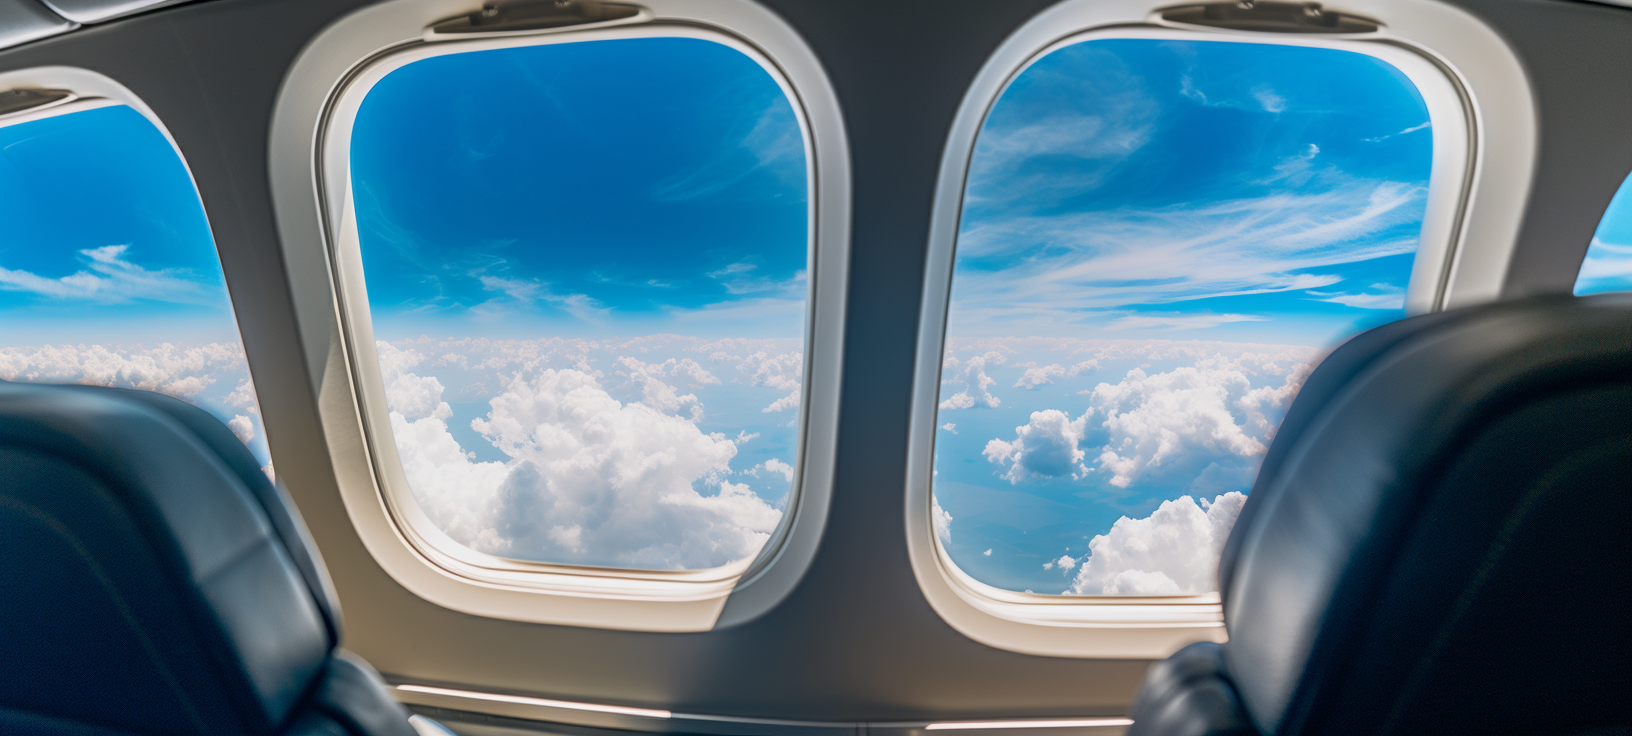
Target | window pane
(1608,266)
(1159,240)
(586,265)
(108,273)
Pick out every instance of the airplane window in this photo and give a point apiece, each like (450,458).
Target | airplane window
(1159,239)
(586,269)
(1608,266)
(108,271)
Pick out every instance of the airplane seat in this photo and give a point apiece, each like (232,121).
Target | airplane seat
(1438,541)
(154,581)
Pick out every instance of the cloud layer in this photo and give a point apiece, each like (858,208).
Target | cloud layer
(590,477)
(1125,423)
(212,375)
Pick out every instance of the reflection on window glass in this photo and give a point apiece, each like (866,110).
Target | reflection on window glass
(1608,266)
(586,264)
(1159,240)
(108,273)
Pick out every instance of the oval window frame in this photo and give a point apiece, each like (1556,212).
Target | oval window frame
(1483,162)
(311,126)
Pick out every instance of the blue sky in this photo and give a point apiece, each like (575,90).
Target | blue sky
(1104,161)
(602,188)
(108,272)
(1608,266)
(586,264)
(106,237)
(1158,240)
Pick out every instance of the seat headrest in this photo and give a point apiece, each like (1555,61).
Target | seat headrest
(1438,540)
(152,580)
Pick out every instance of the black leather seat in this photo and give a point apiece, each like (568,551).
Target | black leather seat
(1438,541)
(153,581)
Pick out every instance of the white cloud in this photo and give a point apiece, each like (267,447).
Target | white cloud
(109,277)
(1220,406)
(781,371)
(1183,414)
(973,377)
(243,397)
(987,553)
(1046,447)
(527,293)
(684,368)
(1034,377)
(942,522)
(1178,321)
(1109,259)
(176,370)
(1412,129)
(950,427)
(1083,367)
(662,396)
(242,427)
(1270,101)
(1093,122)
(1174,551)
(773,465)
(1065,562)
(1378,296)
(772,145)
(195,373)
(587,479)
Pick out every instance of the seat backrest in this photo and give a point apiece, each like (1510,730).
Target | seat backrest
(154,581)
(1439,537)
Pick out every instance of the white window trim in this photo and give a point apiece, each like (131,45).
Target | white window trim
(90,91)
(310,128)
(1484,156)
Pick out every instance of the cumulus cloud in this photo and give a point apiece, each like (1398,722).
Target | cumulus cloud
(242,427)
(773,465)
(587,478)
(1081,368)
(1199,425)
(942,522)
(182,371)
(1044,447)
(1201,411)
(973,377)
(950,427)
(781,371)
(1174,551)
(1066,562)
(662,396)
(1037,376)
